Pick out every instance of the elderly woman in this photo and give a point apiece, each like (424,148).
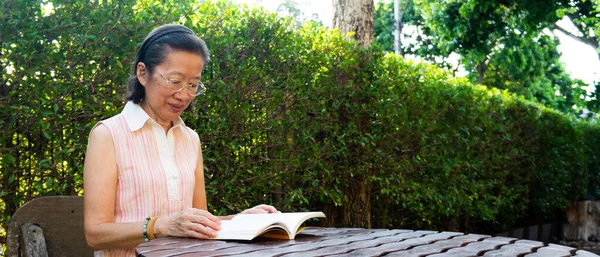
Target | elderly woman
(143,173)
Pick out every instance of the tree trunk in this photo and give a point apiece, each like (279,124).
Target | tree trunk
(355,16)
(481,69)
(357,209)
(275,138)
(583,221)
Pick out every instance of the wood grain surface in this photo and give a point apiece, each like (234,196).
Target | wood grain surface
(316,241)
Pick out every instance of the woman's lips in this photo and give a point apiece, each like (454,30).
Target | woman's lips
(176,108)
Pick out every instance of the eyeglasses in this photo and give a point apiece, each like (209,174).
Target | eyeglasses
(176,86)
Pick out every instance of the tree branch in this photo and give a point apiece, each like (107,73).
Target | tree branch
(586,40)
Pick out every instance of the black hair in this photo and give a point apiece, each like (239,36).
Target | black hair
(154,50)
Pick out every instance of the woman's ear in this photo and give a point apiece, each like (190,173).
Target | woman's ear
(141,73)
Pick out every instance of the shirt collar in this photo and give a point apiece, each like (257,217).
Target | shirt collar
(136,117)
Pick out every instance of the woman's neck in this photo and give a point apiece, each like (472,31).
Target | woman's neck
(165,124)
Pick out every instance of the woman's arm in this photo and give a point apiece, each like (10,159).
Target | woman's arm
(199,201)
(100,186)
(194,222)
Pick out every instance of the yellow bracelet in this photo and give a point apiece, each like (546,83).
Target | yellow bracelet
(151,235)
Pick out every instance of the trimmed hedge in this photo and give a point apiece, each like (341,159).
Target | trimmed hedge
(295,117)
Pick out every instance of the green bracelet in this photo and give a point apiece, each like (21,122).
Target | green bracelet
(146,239)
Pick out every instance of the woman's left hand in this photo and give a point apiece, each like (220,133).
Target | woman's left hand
(260,209)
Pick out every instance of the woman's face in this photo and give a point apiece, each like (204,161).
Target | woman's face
(162,103)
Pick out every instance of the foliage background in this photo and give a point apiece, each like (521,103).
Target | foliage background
(294,116)
(510,45)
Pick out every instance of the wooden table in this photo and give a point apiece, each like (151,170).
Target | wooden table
(361,242)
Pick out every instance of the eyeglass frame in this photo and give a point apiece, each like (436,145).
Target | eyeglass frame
(201,87)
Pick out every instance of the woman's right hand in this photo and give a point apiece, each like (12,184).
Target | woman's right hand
(191,222)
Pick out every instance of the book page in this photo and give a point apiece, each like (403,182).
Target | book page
(293,220)
(248,226)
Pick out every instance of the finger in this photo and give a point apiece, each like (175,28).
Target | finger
(213,218)
(208,223)
(202,232)
(268,208)
(213,226)
(207,215)
(259,211)
(271,209)
(209,232)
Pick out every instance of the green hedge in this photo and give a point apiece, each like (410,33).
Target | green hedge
(295,117)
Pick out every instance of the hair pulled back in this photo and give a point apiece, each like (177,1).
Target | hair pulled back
(159,42)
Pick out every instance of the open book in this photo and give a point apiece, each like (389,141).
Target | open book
(273,225)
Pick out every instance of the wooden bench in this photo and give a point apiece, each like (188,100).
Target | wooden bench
(48,226)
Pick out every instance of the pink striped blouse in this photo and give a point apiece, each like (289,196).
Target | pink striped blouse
(155,169)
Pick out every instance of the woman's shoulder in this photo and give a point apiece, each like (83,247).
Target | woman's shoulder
(102,128)
(116,118)
(100,133)
(114,124)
